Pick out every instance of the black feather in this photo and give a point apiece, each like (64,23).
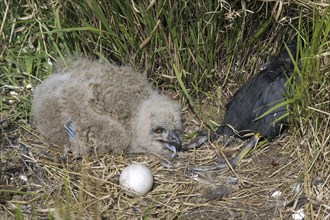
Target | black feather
(253,99)
(257,96)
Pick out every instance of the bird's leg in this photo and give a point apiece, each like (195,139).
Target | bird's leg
(252,142)
(199,140)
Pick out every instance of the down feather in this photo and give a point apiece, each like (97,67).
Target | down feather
(99,106)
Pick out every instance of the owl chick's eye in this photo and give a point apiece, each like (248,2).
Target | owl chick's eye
(158,130)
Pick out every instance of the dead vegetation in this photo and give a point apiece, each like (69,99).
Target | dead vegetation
(285,179)
(273,183)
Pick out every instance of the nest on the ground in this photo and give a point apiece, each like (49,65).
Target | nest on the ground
(267,184)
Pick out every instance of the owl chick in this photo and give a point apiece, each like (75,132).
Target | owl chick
(103,107)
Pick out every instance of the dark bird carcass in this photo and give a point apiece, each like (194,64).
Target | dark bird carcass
(256,106)
(99,106)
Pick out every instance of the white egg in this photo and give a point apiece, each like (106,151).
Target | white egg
(136,180)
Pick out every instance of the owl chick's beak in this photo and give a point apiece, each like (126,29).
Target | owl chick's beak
(171,140)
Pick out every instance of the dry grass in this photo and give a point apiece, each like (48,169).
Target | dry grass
(214,55)
(275,182)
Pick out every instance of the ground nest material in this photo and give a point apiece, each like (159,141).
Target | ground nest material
(266,185)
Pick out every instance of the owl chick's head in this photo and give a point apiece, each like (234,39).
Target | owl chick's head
(157,127)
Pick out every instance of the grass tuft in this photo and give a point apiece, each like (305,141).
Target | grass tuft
(202,51)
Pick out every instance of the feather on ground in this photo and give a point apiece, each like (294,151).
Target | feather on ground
(110,108)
